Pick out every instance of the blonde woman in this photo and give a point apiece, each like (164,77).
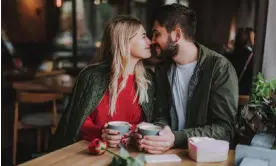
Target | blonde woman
(115,88)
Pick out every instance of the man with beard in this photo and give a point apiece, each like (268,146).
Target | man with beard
(197,89)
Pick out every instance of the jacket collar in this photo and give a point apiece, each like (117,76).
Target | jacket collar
(201,55)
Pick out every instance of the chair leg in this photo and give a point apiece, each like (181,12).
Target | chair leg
(15,132)
(46,140)
(38,139)
(14,150)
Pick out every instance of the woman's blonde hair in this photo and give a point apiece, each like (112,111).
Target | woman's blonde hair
(115,48)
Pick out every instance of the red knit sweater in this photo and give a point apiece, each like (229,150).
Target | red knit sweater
(126,110)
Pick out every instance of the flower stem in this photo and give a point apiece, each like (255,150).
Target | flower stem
(111,153)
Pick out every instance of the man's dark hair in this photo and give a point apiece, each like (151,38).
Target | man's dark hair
(172,15)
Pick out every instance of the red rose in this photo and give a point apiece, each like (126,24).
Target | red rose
(97,146)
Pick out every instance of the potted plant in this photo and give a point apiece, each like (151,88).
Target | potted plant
(259,115)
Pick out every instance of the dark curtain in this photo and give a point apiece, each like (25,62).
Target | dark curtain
(246,13)
(261,19)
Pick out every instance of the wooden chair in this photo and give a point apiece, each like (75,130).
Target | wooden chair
(243,100)
(37,120)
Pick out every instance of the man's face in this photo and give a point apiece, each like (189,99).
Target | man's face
(162,44)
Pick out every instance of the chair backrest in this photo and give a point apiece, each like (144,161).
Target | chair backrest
(243,100)
(35,97)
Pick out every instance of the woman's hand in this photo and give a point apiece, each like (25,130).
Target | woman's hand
(112,137)
(126,140)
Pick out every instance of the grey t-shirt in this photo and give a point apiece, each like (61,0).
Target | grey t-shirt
(182,76)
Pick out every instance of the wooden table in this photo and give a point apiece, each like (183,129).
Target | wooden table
(57,83)
(77,154)
(51,73)
(30,85)
(53,83)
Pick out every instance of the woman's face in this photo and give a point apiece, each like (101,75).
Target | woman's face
(140,45)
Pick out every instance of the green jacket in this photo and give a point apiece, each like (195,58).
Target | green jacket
(212,100)
(88,91)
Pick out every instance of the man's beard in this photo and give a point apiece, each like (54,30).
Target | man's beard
(169,51)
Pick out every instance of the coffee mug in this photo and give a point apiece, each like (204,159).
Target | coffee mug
(149,130)
(121,126)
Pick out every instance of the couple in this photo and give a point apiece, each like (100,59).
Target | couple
(193,92)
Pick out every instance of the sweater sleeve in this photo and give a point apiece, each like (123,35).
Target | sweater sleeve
(89,130)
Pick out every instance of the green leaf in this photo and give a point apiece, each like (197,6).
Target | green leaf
(259,76)
(126,160)
(134,162)
(130,161)
(141,158)
(266,92)
(273,85)
(124,153)
(116,161)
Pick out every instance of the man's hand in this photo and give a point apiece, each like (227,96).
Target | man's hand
(138,137)
(158,144)
(112,137)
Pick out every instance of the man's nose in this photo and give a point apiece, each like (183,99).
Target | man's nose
(153,40)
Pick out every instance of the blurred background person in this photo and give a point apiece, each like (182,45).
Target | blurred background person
(242,58)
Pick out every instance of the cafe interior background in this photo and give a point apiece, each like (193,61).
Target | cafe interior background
(41,39)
